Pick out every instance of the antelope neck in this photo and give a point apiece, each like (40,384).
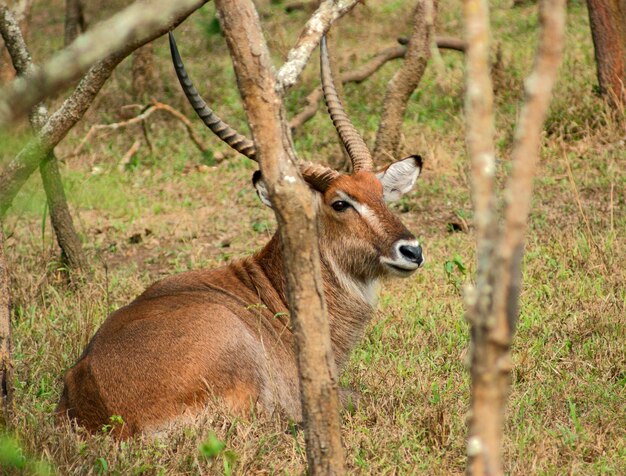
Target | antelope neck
(350,303)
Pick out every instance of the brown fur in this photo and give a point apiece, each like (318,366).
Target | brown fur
(224,333)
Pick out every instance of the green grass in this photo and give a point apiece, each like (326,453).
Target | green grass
(566,408)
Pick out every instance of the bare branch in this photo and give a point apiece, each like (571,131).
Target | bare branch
(295,212)
(318,24)
(443,43)
(156,106)
(479,114)
(404,82)
(122,31)
(525,157)
(364,72)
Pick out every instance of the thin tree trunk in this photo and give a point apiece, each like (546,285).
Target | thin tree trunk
(21,10)
(72,253)
(607,19)
(74,20)
(67,238)
(295,212)
(6,387)
(492,304)
(404,82)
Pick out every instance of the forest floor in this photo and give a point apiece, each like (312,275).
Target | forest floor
(172,209)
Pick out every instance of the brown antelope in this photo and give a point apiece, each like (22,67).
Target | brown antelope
(223,332)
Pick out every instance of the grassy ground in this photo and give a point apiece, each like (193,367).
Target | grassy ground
(170,210)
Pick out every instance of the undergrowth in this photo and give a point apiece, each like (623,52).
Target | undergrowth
(171,209)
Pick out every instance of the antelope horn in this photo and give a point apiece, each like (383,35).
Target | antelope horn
(318,176)
(237,141)
(355,145)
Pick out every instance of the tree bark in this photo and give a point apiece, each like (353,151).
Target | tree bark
(296,216)
(404,83)
(72,253)
(607,19)
(71,249)
(492,304)
(74,20)
(21,10)
(144,77)
(6,377)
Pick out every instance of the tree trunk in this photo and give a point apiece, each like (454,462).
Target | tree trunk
(404,82)
(71,248)
(607,19)
(492,304)
(297,224)
(74,20)
(144,77)
(6,387)
(21,10)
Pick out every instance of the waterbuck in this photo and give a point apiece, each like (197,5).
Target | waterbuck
(224,332)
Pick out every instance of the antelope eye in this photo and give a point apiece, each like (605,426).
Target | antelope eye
(340,206)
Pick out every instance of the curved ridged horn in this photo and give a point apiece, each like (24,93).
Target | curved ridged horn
(237,141)
(357,149)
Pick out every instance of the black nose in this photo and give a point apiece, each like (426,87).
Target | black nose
(412,253)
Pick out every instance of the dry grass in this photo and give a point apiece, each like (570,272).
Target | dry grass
(166,214)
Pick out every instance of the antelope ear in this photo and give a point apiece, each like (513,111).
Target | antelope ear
(261,189)
(399,177)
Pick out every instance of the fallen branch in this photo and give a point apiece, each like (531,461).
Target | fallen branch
(443,43)
(156,106)
(129,155)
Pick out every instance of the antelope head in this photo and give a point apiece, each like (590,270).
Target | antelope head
(360,238)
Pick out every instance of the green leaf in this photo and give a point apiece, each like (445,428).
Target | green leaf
(212,447)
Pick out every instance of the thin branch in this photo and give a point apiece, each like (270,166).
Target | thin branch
(129,155)
(123,30)
(479,115)
(443,43)
(526,146)
(156,106)
(316,26)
